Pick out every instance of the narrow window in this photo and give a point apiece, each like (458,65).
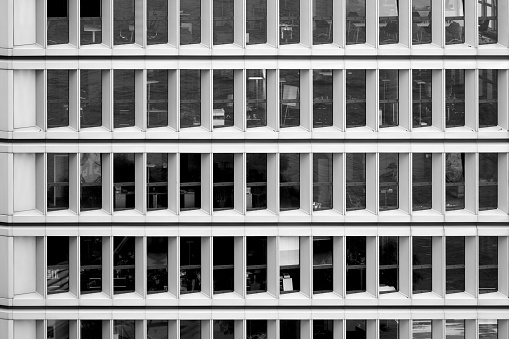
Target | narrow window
(256,329)
(421,98)
(157,22)
(123,22)
(58,22)
(256,178)
(455,329)
(289,329)
(289,189)
(256,22)
(123,181)
(355,264)
(488,181)
(389,265)
(322,98)
(421,264)
(488,264)
(421,328)
(289,22)
(157,98)
(355,22)
(91,98)
(289,93)
(355,181)
(157,264)
(256,98)
(124,264)
(222,113)
(190,265)
(455,97)
(388,113)
(90,181)
(322,181)
(488,21)
(389,329)
(421,22)
(322,265)
(123,98)
(190,181)
(124,329)
(57,98)
(488,97)
(355,329)
(323,329)
(57,265)
(91,329)
(388,22)
(190,98)
(454,181)
(223,261)
(421,181)
(157,181)
(455,264)
(488,328)
(224,178)
(454,22)
(190,22)
(91,22)
(256,261)
(58,329)
(223,329)
(223,21)
(157,329)
(58,181)
(355,98)
(389,181)
(289,264)
(322,22)
(91,256)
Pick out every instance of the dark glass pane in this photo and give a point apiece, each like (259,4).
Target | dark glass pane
(323,329)
(488,264)
(455,264)
(190,181)
(355,181)
(223,261)
(223,22)
(322,265)
(256,258)
(389,22)
(389,329)
(421,264)
(322,181)
(58,98)
(190,22)
(124,329)
(488,97)
(224,329)
(91,98)
(222,113)
(488,181)
(190,97)
(123,98)
(389,264)
(421,329)
(389,181)
(322,22)
(454,22)
(421,98)
(256,329)
(157,181)
(455,97)
(91,22)
(289,181)
(322,97)
(355,264)
(421,22)
(289,22)
(289,329)
(91,329)
(454,181)
(256,92)
(190,329)
(488,329)
(421,181)
(91,181)
(355,98)
(58,181)
(157,98)
(256,22)
(58,264)
(57,329)
(157,264)
(124,265)
(157,22)
(123,22)
(190,264)
(289,264)
(389,97)
(256,173)
(123,179)
(454,329)
(488,21)
(355,329)
(289,88)
(157,329)
(58,22)
(355,22)
(223,181)
(91,264)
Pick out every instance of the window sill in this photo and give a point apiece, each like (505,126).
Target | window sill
(128,299)
(194,296)
(230,215)
(62,216)
(460,216)
(28,216)
(161,296)
(327,216)
(95,216)
(392,296)
(293,296)
(332,296)
(164,215)
(61,133)
(461,298)
(394,216)
(128,216)
(294,216)
(261,216)
(163,132)
(227,296)
(427,299)
(427,216)
(493,215)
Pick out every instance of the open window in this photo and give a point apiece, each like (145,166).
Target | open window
(91,256)
(289,264)
(256,261)
(190,265)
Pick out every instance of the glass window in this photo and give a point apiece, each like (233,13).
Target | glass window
(488,329)
(58,98)
(289,189)
(157,329)
(91,264)
(222,113)
(256,259)
(322,97)
(123,265)
(190,265)
(157,22)
(322,22)
(488,181)
(454,22)
(355,98)
(488,97)
(355,22)
(58,181)
(123,180)
(256,98)
(157,264)
(488,264)
(323,329)
(223,181)
(389,264)
(289,92)
(190,97)
(91,22)
(256,22)
(454,264)
(256,177)
(123,22)
(421,22)
(421,181)
(124,329)
(421,329)
(256,329)
(223,22)
(289,329)
(455,97)
(91,329)
(389,181)
(57,264)
(223,261)
(123,98)
(190,181)
(421,98)
(190,22)
(90,181)
(322,264)
(389,22)
(389,329)
(224,329)
(91,98)
(421,264)
(355,329)
(389,97)
(157,181)
(355,181)
(289,22)
(488,21)
(58,22)
(157,98)
(57,329)
(454,181)
(322,181)
(355,264)
(289,264)
(454,329)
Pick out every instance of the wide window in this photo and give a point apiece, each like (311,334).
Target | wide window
(322,22)
(421,22)
(123,22)
(58,98)
(388,113)
(355,181)
(190,181)
(58,22)
(256,22)
(488,21)
(322,98)
(289,96)
(90,181)
(289,329)
(421,98)
(223,329)
(289,264)
(123,181)
(454,22)
(389,329)
(57,264)
(421,181)
(256,178)
(322,264)
(488,181)
(58,181)
(256,98)
(388,22)
(124,264)
(190,98)
(123,98)
(91,264)
(454,181)
(157,98)
(488,264)
(389,264)
(488,97)
(90,98)
(190,264)
(157,181)
(289,22)
(355,22)
(323,329)
(455,97)
(421,264)
(454,264)
(256,261)
(289,189)
(190,22)
(355,98)
(157,264)
(222,113)
(223,261)
(223,181)
(389,181)
(223,21)
(355,264)
(157,22)
(91,22)
(322,181)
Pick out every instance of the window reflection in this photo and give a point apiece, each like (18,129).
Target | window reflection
(454,329)
(421,98)
(223,329)
(388,22)
(289,93)
(57,329)
(355,264)
(322,181)
(256,260)
(454,264)
(488,264)
(488,21)
(190,97)
(455,97)
(190,264)
(157,264)
(488,181)
(190,22)
(91,329)
(124,329)
(355,329)
(90,181)
(454,22)
(355,98)
(454,181)
(223,261)
(222,113)
(256,177)
(389,265)
(389,329)
(289,329)
(256,329)
(157,22)
(123,98)
(157,98)
(256,98)
(289,181)
(289,22)
(190,181)
(223,22)
(57,264)
(123,22)
(421,181)
(355,22)
(123,181)
(58,22)
(289,264)
(91,22)
(91,264)
(421,329)
(355,181)
(223,182)
(421,264)
(322,22)
(157,181)
(57,98)
(389,97)
(157,329)
(90,98)
(323,329)
(123,265)
(58,182)
(488,97)
(421,22)
(389,181)
(256,22)
(488,329)
(190,329)
(322,264)
(322,98)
